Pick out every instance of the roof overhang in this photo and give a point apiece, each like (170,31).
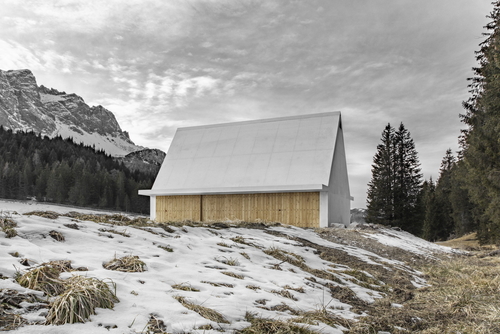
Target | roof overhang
(235,190)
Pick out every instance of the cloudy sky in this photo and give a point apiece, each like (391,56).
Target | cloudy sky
(162,64)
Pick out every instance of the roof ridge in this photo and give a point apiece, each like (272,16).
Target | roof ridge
(264,120)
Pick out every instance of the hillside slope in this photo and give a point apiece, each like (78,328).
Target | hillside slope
(321,280)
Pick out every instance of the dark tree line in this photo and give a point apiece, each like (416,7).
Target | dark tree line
(60,171)
(466,196)
(481,141)
(398,197)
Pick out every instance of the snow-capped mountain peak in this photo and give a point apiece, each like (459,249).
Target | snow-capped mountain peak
(25,106)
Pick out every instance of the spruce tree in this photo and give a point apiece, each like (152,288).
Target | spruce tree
(432,211)
(380,196)
(481,140)
(394,190)
(444,188)
(408,182)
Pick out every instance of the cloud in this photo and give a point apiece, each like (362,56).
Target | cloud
(162,64)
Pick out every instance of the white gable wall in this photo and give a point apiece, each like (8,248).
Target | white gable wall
(339,197)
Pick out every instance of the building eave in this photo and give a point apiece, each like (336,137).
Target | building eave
(235,190)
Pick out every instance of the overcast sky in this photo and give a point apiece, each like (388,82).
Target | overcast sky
(159,65)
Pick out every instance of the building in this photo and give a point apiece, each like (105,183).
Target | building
(290,170)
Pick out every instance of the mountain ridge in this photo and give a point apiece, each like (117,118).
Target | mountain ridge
(25,106)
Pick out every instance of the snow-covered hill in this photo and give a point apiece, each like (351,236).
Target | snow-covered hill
(239,270)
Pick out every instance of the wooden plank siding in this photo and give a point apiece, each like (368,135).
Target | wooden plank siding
(178,208)
(299,209)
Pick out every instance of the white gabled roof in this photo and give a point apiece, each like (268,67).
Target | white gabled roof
(279,154)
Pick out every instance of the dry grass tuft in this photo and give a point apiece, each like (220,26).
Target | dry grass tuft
(110,230)
(284,293)
(322,315)
(205,312)
(270,326)
(228,273)
(82,295)
(284,308)
(10,321)
(166,248)
(228,261)
(227,285)
(129,263)
(44,214)
(43,278)
(245,255)
(58,236)
(252,287)
(10,232)
(299,289)
(298,261)
(184,287)
(155,325)
(11,305)
(114,219)
(7,225)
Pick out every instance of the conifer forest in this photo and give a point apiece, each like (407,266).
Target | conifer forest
(59,171)
(466,195)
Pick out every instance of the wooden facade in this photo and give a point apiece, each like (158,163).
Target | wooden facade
(293,208)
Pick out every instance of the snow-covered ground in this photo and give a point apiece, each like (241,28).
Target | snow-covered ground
(199,258)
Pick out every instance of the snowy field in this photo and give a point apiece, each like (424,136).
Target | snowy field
(275,272)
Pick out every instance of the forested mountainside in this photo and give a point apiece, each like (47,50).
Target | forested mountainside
(60,171)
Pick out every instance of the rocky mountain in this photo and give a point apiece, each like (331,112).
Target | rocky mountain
(25,106)
(146,161)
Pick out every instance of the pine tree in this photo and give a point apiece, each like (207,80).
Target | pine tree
(394,190)
(432,211)
(408,182)
(481,139)
(463,210)
(444,188)
(380,197)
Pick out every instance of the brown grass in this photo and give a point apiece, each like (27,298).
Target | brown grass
(156,325)
(205,312)
(44,214)
(185,287)
(43,278)
(270,326)
(7,225)
(82,295)
(11,304)
(57,236)
(229,273)
(298,261)
(463,297)
(129,263)
(324,316)
(110,230)
(284,293)
(227,285)
(468,242)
